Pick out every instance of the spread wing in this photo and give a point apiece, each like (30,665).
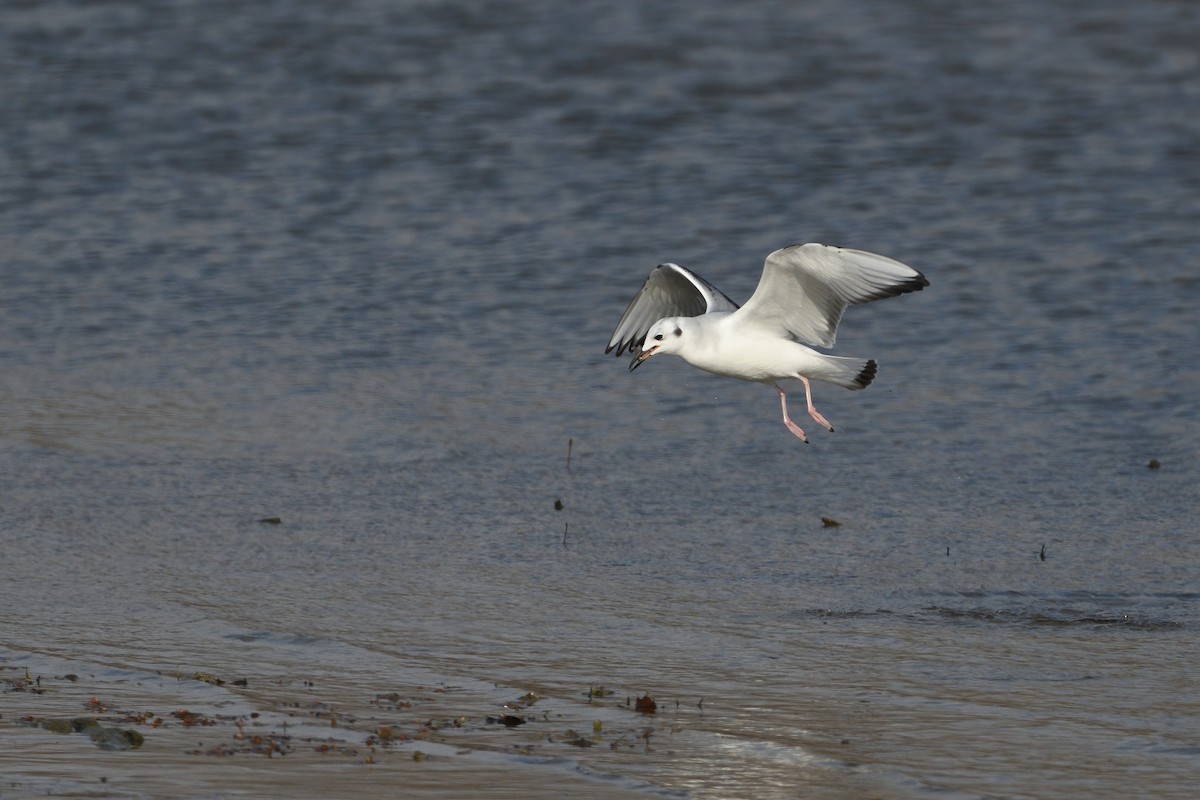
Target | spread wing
(805,289)
(670,291)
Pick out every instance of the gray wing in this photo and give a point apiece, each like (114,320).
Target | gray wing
(670,291)
(805,289)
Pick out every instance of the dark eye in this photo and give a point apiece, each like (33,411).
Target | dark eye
(678,331)
(658,337)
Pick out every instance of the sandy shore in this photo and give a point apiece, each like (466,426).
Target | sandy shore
(187,735)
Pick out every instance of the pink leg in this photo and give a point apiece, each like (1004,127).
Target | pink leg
(791,426)
(812,411)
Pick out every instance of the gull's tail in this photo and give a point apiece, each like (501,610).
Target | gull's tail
(849,373)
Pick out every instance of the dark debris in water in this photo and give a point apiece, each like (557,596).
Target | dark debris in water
(106,737)
(24,683)
(524,701)
(207,677)
(645,705)
(190,719)
(262,744)
(507,720)
(109,738)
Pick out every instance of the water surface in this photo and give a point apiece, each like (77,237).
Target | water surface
(354,267)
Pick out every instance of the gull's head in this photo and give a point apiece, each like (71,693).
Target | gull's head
(664,337)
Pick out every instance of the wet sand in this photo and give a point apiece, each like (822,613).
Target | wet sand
(293,739)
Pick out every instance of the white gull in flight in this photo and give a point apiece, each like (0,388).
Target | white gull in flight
(800,298)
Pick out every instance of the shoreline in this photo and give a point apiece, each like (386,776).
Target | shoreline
(197,738)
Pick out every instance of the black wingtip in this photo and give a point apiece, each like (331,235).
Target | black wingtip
(623,347)
(913,284)
(620,347)
(864,378)
(918,283)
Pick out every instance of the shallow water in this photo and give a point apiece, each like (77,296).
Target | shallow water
(354,267)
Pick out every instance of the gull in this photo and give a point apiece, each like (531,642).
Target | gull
(801,297)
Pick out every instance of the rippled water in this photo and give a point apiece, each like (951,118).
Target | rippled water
(354,265)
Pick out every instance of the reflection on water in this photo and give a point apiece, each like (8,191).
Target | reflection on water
(354,268)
